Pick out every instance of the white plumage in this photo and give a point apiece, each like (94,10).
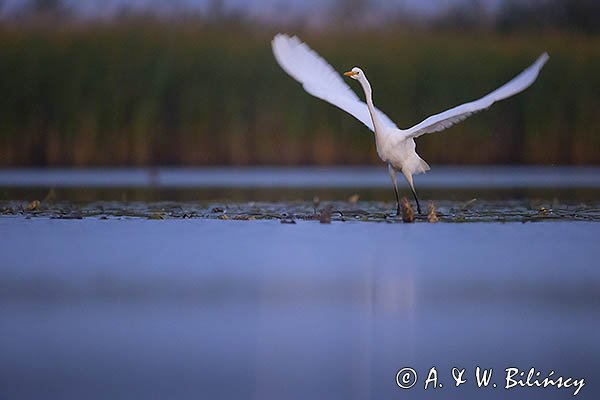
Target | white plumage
(395,146)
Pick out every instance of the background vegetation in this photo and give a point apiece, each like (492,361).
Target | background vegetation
(145,91)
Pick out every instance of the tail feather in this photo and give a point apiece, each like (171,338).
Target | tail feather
(423,166)
(416,166)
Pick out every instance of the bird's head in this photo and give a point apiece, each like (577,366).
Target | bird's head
(355,73)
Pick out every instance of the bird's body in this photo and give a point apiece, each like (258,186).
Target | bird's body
(395,146)
(392,147)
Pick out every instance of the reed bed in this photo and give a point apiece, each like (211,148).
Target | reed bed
(150,93)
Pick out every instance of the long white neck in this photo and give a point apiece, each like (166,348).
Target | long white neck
(369,98)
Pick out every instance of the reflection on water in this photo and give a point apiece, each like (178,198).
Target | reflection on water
(222,309)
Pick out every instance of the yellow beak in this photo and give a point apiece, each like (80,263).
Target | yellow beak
(350,73)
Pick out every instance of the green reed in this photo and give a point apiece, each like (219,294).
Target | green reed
(148,93)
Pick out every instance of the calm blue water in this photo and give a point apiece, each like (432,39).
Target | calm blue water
(200,308)
(496,177)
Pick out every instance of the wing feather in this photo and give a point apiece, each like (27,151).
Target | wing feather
(320,79)
(443,120)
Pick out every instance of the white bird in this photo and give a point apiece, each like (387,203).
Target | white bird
(395,146)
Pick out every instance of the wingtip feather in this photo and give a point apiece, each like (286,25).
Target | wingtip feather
(543,59)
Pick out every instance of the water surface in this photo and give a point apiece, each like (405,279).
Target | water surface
(459,194)
(225,284)
(140,308)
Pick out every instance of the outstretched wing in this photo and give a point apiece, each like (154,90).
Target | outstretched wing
(320,79)
(450,117)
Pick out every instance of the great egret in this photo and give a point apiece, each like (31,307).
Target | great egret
(395,146)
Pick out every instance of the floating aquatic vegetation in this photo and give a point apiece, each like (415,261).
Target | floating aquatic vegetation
(33,205)
(408,215)
(432,213)
(324,212)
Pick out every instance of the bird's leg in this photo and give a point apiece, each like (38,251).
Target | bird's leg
(416,199)
(409,178)
(392,172)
